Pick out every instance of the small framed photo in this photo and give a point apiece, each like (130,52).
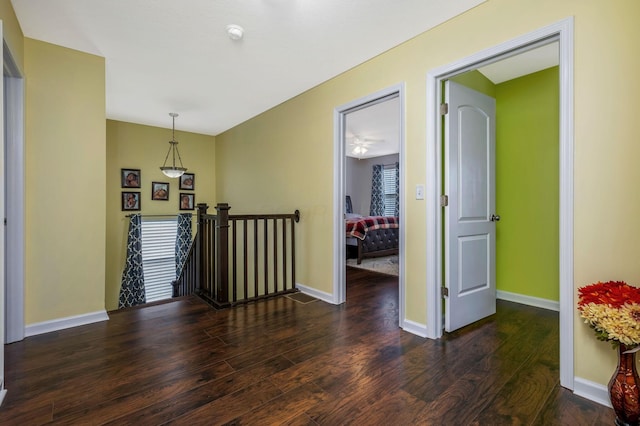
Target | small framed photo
(187,201)
(130,178)
(187,181)
(160,191)
(130,201)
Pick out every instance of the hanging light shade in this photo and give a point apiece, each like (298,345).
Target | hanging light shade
(173,171)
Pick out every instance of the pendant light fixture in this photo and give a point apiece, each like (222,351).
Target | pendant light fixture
(173,171)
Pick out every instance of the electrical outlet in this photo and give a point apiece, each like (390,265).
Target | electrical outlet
(419,192)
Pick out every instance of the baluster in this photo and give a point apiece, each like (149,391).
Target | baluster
(284,254)
(275,255)
(255,257)
(245,262)
(266,257)
(234,279)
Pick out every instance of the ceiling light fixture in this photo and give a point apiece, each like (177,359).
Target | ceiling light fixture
(173,171)
(359,150)
(235,32)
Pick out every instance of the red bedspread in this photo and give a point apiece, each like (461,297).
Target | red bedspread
(358,227)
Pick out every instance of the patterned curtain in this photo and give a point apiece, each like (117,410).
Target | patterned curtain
(183,241)
(132,288)
(377,191)
(396,210)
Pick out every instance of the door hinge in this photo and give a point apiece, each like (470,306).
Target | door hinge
(445,291)
(444,108)
(444,200)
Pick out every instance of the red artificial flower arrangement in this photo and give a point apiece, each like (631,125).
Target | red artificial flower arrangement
(612,309)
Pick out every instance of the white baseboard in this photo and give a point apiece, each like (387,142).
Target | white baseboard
(528,300)
(63,323)
(325,297)
(592,391)
(414,328)
(3,393)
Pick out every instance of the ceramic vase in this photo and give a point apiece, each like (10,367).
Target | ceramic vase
(623,389)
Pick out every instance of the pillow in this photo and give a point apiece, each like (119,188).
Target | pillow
(352,216)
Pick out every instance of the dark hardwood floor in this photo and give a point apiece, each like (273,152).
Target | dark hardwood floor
(285,362)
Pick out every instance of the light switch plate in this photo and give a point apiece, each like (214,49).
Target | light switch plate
(419,192)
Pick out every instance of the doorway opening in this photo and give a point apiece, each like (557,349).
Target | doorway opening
(368,143)
(562,33)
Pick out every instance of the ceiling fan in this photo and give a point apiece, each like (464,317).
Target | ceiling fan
(359,146)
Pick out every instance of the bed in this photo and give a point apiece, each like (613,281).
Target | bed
(374,236)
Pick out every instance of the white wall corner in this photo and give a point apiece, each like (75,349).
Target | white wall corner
(325,297)
(64,323)
(414,328)
(592,391)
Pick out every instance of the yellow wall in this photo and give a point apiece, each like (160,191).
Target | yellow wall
(142,147)
(12,33)
(65,181)
(283,159)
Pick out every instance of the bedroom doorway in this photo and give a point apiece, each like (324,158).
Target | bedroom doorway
(368,147)
(562,34)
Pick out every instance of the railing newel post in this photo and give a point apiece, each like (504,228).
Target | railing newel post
(200,236)
(222,253)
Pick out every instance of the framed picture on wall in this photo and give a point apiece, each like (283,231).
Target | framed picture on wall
(130,201)
(160,191)
(130,178)
(187,181)
(187,201)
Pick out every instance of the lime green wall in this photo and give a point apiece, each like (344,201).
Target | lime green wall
(283,159)
(65,181)
(526,180)
(527,185)
(477,81)
(142,147)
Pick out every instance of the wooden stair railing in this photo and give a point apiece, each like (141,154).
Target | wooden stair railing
(239,259)
(185,284)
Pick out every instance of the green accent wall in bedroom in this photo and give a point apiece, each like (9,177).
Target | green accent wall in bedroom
(477,81)
(527,156)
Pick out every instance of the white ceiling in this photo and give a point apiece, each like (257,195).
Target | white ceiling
(524,63)
(174,56)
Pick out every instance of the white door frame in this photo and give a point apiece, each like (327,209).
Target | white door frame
(561,31)
(339,183)
(14,193)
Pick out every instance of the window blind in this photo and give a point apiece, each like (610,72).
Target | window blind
(158,257)
(389,178)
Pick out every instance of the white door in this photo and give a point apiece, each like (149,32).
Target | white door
(470,220)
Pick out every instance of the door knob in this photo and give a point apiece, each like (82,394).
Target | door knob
(495,218)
